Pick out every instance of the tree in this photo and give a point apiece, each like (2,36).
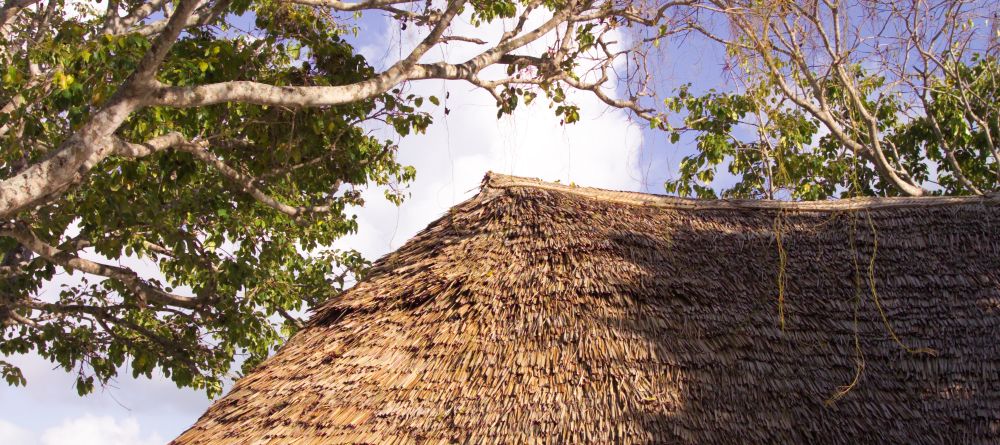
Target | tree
(226,154)
(848,98)
(162,131)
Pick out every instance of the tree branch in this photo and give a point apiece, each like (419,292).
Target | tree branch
(119,26)
(161,143)
(146,292)
(92,142)
(319,96)
(346,6)
(199,151)
(873,150)
(10,10)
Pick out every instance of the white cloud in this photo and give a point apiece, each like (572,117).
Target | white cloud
(50,401)
(601,150)
(14,435)
(98,430)
(83,430)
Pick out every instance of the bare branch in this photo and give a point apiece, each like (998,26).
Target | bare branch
(319,96)
(10,10)
(145,291)
(198,150)
(289,318)
(246,183)
(121,25)
(203,15)
(758,35)
(347,6)
(132,150)
(447,39)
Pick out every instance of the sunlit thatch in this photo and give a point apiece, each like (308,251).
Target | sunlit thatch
(544,313)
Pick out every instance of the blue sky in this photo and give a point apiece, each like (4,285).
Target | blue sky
(605,149)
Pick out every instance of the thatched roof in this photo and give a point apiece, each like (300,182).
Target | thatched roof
(545,313)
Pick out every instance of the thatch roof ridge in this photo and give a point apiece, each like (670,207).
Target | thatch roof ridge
(502,181)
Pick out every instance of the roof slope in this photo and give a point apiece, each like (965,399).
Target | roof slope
(540,313)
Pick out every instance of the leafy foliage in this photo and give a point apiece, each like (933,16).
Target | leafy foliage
(965,133)
(249,262)
(776,150)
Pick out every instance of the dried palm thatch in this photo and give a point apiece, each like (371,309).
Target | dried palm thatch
(542,313)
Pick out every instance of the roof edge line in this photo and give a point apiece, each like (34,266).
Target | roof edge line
(501,181)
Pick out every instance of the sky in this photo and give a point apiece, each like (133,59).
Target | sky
(605,149)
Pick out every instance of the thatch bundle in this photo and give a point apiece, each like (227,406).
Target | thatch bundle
(541,313)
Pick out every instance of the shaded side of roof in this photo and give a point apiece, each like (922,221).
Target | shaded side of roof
(556,314)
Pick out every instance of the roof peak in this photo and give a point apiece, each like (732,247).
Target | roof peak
(497,181)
